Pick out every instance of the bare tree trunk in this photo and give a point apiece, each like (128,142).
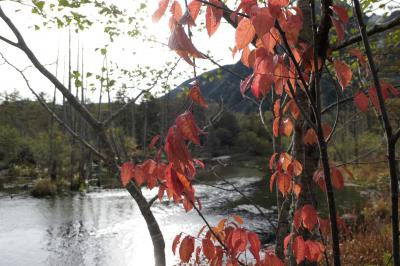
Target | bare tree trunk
(52,166)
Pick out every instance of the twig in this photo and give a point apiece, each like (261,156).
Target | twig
(248,199)
(52,113)
(377,28)
(126,105)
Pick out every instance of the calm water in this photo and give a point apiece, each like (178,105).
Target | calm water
(106,228)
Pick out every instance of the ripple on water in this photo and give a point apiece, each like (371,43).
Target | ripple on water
(106,228)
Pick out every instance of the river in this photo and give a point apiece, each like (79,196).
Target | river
(104,227)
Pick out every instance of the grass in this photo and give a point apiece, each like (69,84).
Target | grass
(44,187)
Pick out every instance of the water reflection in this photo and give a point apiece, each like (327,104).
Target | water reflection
(106,227)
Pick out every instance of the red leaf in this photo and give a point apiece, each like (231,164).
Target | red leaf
(337,178)
(357,53)
(261,85)
(297,219)
(153,142)
(374,98)
(272,160)
(275,127)
(271,259)
(262,21)
(194,9)
(287,240)
(387,87)
(309,216)
(297,190)
(314,250)
(238,219)
(176,242)
(272,180)
(278,3)
(186,249)
(285,160)
(291,25)
(255,245)
(161,190)
(292,106)
(239,240)
(245,56)
(246,6)
(310,137)
(195,94)
(277,107)
(187,127)
(287,126)
(343,73)
(199,163)
(180,42)
(245,33)
(269,41)
(299,249)
(198,249)
(264,62)
(208,248)
(361,101)
(324,226)
(341,12)
(127,171)
(296,168)
(162,7)
(213,17)
(318,177)
(284,184)
(339,26)
(176,10)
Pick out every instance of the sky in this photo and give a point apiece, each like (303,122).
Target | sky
(126,52)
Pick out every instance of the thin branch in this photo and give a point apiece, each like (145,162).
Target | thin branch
(377,28)
(337,89)
(337,103)
(396,135)
(212,231)
(9,41)
(260,113)
(67,94)
(152,200)
(52,113)
(249,200)
(126,105)
(391,146)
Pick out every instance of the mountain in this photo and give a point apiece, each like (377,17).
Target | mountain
(222,83)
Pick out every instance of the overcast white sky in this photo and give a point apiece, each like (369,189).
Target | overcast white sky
(127,52)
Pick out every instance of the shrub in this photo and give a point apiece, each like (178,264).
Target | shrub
(44,187)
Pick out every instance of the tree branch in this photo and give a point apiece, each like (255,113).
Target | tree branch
(9,41)
(67,94)
(52,113)
(396,135)
(377,28)
(390,145)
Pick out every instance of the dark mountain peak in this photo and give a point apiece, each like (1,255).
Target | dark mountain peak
(222,83)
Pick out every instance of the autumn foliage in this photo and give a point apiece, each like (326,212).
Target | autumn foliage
(268,39)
